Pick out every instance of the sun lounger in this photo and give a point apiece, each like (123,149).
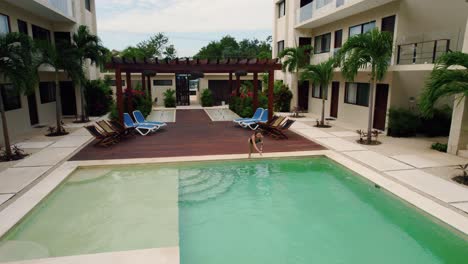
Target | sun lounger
(143,129)
(276,122)
(254,124)
(257,115)
(104,139)
(140,119)
(127,131)
(278,132)
(110,129)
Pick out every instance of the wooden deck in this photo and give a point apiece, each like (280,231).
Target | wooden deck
(194,134)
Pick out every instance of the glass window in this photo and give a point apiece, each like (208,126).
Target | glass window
(41,33)
(114,83)
(280,47)
(162,82)
(357,93)
(368,27)
(322,3)
(362,28)
(338,39)
(11,97)
(322,43)
(23,27)
(281,9)
(47,92)
(318,92)
(356,30)
(4,24)
(88,5)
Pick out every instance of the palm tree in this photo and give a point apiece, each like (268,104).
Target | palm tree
(295,59)
(89,47)
(62,56)
(372,50)
(16,63)
(449,78)
(320,74)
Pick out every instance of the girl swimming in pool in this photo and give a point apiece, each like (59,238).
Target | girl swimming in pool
(256,138)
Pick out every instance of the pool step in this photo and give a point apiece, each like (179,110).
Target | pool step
(193,180)
(190,174)
(203,190)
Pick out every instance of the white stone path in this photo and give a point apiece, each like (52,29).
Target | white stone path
(398,160)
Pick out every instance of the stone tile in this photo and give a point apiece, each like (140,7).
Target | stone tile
(431,159)
(80,132)
(439,188)
(339,144)
(5,197)
(34,144)
(461,206)
(417,161)
(344,134)
(298,125)
(46,157)
(313,132)
(71,141)
(378,161)
(14,180)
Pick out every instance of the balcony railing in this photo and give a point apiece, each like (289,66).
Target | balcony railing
(316,7)
(62,5)
(425,52)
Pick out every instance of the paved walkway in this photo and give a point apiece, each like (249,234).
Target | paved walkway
(409,161)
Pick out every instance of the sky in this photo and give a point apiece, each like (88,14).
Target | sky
(189,24)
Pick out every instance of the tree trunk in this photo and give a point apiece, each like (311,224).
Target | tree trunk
(84,114)
(6,135)
(58,103)
(371,110)
(323,106)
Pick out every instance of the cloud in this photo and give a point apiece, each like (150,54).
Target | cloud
(144,16)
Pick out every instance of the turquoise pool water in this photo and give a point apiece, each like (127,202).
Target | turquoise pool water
(308,210)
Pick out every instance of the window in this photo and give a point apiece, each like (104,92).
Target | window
(305,2)
(357,93)
(280,47)
(322,3)
(11,97)
(114,83)
(281,9)
(62,37)
(388,24)
(362,28)
(338,39)
(23,27)
(47,92)
(88,5)
(317,92)
(162,82)
(322,43)
(40,33)
(4,24)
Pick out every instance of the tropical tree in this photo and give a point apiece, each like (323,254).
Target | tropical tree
(170,52)
(449,78)
(16,67)
(372,50)
(294,59)
(63,56)
(320,75)
(89,48)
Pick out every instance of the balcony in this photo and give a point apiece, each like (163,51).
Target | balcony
(321,12)
(55,10)
(425,52)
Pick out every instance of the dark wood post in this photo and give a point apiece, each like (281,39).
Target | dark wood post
(143,83)
(237,84)
(271,83)
(255,91)
(149,87)
(230,82)
(129,92)
(118,85)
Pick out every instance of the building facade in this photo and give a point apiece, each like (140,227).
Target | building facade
(422,31)
(48,20)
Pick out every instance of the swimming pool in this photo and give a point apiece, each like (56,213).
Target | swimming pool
(307,210)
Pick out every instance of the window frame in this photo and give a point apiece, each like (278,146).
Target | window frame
(278,47)
(321,91)
(88,5)
(19,21)
(322,38)
(44,29)
(8,103)
(163,82)
(48,97)
(8,22)
(361,27)
(281,14)
(359,86)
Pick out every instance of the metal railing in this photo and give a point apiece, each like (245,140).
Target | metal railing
(424,52)
(62,5)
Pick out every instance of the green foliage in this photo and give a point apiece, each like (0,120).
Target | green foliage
(439,147)
(283,98)
(140,101)
(170,52)
(169,98)
(228,47)
(156,46)
(297,58)
(207,98)
(98,95)
(445,82)
(403,123)
(438,124)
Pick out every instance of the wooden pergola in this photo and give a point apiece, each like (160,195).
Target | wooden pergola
(187,66)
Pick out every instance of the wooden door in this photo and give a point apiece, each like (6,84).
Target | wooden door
(68,97)
(303,95)
(182,90)
(335,99)
(380,110)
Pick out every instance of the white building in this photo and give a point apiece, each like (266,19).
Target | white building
(422,29)
(49,20)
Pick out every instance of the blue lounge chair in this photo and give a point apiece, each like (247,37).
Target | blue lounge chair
(257,115)
(140,119)
(254,124)
(143,129)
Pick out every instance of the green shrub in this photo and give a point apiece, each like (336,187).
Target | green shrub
(246,111)
(438,125)
(263,101)
(140,101)
(207,98)
(169,98)
(402,123)
(98,94)
(283,98)
(439,147)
